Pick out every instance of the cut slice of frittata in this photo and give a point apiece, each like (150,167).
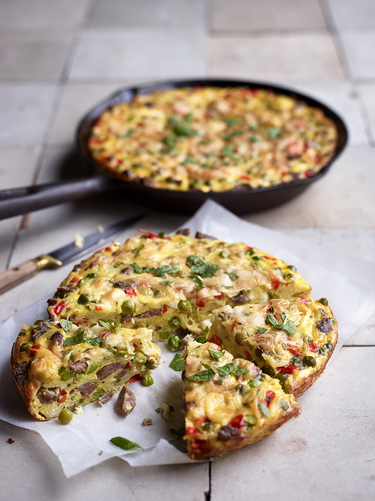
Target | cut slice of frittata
(229,403)
(291,341)
(59,365)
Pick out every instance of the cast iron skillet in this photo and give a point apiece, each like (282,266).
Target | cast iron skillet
(28,199)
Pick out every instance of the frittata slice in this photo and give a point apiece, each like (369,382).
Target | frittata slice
(290,340)
(228,402)
(58,365)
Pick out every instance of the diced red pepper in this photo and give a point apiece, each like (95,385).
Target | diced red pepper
(270,395)
(58,325)
(294,349)
(57,309)
(127,365)
(233,326)
(253,92)
(98,308)
(215,339)
(140,124)
(277,316)
(167,238)
(164,310)
(107,249)
(305,301)
(202,303)
(287,369)
(313,347)
(77,323)
(33,350)
(245,178)
(64,394)
(237,421)
(201,420)
(103,334)
(247,354)
(270,258)
(219,296)
(275,284)
(75,280)
(197,443)
(130,291)
(251,248)
(135,378)
(191,430)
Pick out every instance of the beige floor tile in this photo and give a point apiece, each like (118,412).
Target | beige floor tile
(367,96)
(352,14)
(44,15)
(291,57)
(326,453)
(359,52)
(33,55)
(342,199)
(139,53)
(258,15)
(113,479)
(25,112)
(75,101)
(148,14)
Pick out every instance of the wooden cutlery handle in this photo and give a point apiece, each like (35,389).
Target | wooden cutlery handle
(17,274)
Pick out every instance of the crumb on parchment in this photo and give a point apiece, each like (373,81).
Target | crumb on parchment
(147,422)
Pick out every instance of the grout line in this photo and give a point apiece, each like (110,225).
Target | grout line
(208,494)
(267,32)
(358,345)
(365,117)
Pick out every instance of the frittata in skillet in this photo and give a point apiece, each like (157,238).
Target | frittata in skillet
(213,139)
(291,341)
(229,402)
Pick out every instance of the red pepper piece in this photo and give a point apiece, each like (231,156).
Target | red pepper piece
(313,347)
(64,394)
(164,310)
(135,378)
(103,334)
(33,350)
(57,309)
(215,339)
(295,350)
(247,354)
(77,323)
(98,308)
(130,291)
(107,249)
(197,443)
(75,280)
(233,326)
(191,430)
(251,248)
(305,301)
(275,284)
(202,303)
(219,296)
(58,325)
(309,173)
(237,421)
(140,124)
(270,394)
(201,420)
(287,369)
(269,258)
(245,178)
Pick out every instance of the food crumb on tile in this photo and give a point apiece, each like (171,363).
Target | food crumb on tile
(10,441)
(147,422)
(79,241)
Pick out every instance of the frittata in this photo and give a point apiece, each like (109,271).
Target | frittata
(229,402)
(213,139)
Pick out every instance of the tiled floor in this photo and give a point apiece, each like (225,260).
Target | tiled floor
(57,59)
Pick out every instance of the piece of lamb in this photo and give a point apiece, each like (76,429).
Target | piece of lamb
(126,402)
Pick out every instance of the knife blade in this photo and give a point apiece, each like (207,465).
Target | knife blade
(27,269)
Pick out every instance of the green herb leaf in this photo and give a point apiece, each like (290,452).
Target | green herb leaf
(231,121)
(96,341)
(239,372)
(265,410)
(138,250)
(157,410)
(216,354)
(261,330)
(227,369)
(255,139)
(178,363)
(200,267)
(125,444)
(198,282)
(227,151)
(274,132)
(66,324)
(156,292)
(69,341)
(227,286)
(202,338)
(206,375)
(161,272)
(219,381)
(287,325)
(178,433)
(105,324)
(137,269)
(189,160)
(223,255)
(232,276)
(167,282)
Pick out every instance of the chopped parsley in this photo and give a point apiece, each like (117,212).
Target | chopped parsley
(261,330)
(287,325)
(110,325)
(200,267)
(166,282)
(202,338)
(138,250)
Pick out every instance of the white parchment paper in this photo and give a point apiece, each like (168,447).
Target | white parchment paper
(347,283)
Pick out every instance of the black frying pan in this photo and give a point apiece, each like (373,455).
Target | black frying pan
(28,199)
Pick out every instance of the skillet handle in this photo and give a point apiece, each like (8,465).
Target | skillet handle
(31,198)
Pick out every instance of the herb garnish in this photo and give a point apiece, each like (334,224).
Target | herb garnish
(178,433)
(74,339)
(206,375)
(287,325)
(261,330)
(138,250)
(110,325)
(167,282)
(232,276)
(202,338)
(125,444)
(177,363)
(216,354)
(66,324)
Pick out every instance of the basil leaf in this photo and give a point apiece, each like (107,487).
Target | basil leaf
(178,433)
(216,354)
(167,282)
(232,276)
(206,375)
(202,338)
(227,369)
(138,250)
(265,410)
(261,330)
(239,372)
(66,324)
(287,326)
(194,261)
(74,339)
(125,444)
(161,272)
(178,363)
(105,324)
(219,381)
(96,341)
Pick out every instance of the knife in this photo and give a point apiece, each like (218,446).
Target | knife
(27,269)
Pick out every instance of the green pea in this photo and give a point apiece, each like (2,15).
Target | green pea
(147,380)
(253,383)
(284,405)
(151,364)
(140,357)
(127,307)
(164,334)
(174,322)
(309,361)
(184,305)
(282,378)
(65,416)
(174,343)
(208,427)
(92,367)
(250,420)
(323,301)
(92,275)
(242,390)
(83,299)
(162,234)
(24,346)
(328,346)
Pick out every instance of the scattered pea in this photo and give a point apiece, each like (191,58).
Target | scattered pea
(174,343)
(164,334)
(174,322)
(140,357)
(184,305)
(309,361)
(323,301)
(147,380)
(65,416)
(127,307)
(83,299)
(151,364)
